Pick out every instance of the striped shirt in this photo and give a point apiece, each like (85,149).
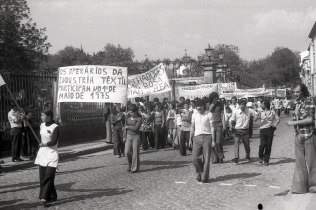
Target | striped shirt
(305,108)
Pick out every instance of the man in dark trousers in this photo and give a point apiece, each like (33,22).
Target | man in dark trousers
(242,118)
(201,135)
(15,119)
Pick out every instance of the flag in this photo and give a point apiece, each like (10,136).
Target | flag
(2,82)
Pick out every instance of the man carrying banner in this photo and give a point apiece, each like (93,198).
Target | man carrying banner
(15,119)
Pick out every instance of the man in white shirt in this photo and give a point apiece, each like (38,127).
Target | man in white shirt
(242,118)
(286,106)
(201,135)
(277,105)
(15,119)
(234,106)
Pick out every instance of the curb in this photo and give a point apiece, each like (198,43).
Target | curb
(62,156)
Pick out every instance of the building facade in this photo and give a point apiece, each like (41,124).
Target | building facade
(311,50)
(305,73)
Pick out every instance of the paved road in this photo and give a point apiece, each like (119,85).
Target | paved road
(166,181)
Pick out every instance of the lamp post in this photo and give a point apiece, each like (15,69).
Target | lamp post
(209,66)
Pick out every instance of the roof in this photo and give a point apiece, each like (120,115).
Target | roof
(313,32)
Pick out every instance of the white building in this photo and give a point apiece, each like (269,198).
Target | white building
(305,73)
(311,49)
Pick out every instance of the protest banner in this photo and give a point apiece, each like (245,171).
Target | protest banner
(255,92)
(154,81)
(226,87)
(280,93)
(92,84)
(195,91)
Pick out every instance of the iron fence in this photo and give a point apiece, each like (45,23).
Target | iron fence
(36,91)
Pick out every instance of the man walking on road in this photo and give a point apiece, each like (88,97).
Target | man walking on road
(201,135)
(242,118)
(304,179)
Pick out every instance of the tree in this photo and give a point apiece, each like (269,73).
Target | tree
(281,68)
(22,45)
(69,56)
(230,56)
(114,55)
(286,65)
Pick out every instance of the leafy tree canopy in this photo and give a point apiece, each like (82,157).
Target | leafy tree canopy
(23,46)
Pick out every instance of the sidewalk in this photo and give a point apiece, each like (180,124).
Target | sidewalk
(285,199)
(64,153)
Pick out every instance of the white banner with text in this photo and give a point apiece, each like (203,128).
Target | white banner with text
(195,91)
(92,84)
(154,81)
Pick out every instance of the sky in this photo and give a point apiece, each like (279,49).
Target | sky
(166,28)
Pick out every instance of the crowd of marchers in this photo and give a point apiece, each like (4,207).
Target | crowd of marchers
(199,126)
(202,125)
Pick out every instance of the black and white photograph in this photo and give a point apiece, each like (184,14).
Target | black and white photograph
(158,104)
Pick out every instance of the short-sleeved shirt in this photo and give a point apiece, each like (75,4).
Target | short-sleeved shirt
(202,123)
(268,118)
(305,108)
(242,118)
(15,119)
(234,107)
(186,120)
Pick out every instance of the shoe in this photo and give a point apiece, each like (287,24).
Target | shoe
(235,160)
(118,156)
(266,164)
(248,159)
(128,170)
(260,160)
(204,181)
(221,161)
(133,172)
(43,202)
(198,178)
